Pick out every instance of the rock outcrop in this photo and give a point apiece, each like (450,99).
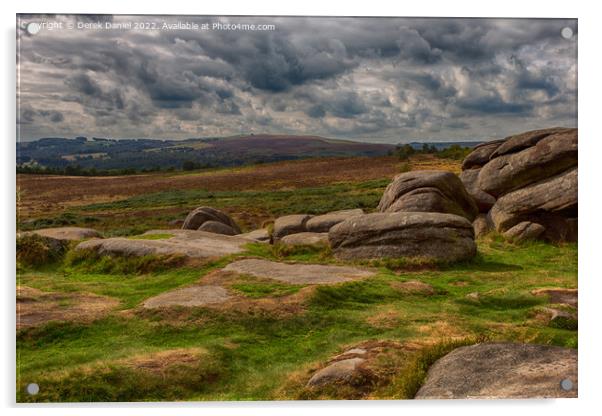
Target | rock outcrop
(428,191)
(187,243)
(199,216)
(428,235)
(529,177)
(502,371)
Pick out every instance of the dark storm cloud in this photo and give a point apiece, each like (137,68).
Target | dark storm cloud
(382,79)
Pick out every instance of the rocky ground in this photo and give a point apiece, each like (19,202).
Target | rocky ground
(400,299)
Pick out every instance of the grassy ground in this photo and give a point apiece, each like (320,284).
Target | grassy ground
(262,355)
(133,354)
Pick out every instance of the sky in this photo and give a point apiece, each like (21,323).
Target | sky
(389,80)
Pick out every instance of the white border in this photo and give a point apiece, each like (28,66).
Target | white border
(590,155)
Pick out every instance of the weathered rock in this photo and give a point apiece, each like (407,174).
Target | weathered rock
(428,191)
(217,228)
(337,372)
(298,273)
(323,223)
(480,154)
(483,200)
(189,297)
(203,214)
(525,230)
(550,156)
(549,203)
(188,243)
(414,287)
(262,235)
(558,295)
(502,371)
(64,234)
(176,223)
(305,239)
(433,236)
(518,142)
(482,225)
(290,224)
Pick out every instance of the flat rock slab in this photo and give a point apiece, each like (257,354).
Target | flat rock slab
(189,243)
(65,233)
(502,371)
(298,273)
(189,297)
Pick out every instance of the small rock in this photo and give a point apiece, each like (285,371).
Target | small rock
(262,235)
(217,228)
(290,224)
(339,371)
(323,223)
(482,225)
(474,296)
(524,231)
(305,239)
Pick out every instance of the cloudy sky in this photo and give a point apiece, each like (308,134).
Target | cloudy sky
(371,79)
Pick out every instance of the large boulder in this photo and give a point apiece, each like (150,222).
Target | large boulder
(502,371)
(323,223)
(470,179)
(549,156)
(551,202)
(200,215)
(289,224)
(518,142)
(428,235)
(428,191)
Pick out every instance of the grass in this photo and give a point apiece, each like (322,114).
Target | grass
(155,210)
(268,354)
(257,352)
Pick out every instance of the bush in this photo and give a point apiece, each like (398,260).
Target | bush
(34,250)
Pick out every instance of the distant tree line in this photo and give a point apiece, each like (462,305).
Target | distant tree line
(455,151)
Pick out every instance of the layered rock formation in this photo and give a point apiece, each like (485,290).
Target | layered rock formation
(527,178)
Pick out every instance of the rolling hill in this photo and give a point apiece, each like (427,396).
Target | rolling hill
(113,154)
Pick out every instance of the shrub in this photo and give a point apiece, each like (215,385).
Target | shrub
(34,250)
